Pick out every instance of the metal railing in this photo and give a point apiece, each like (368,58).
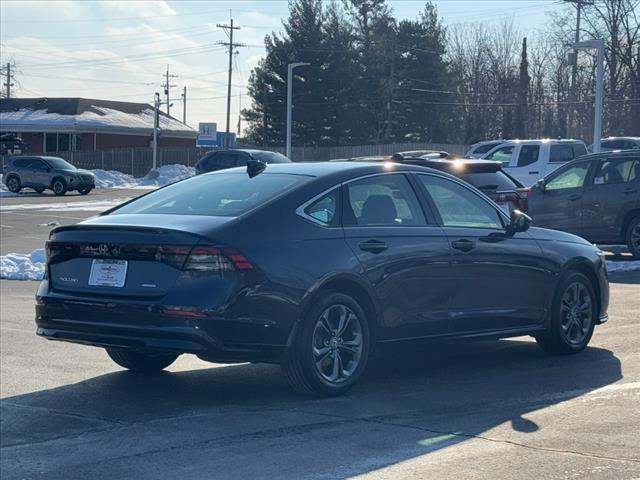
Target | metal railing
(139,161)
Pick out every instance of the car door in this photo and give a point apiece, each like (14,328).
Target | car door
(557,203)
(500,282)
(611,193)
(403,253)
(40,172)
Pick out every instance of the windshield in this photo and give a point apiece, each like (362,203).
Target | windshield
(59,163)
(491,181)
(269,157)
(220,194)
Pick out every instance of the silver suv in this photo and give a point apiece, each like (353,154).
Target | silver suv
(41,173)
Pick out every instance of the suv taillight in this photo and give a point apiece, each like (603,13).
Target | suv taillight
(524,199)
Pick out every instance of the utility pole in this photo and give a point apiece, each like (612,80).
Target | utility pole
(156,125)
(574,68)
(598,45)
(228,29)
(166,85)
(239,115)
(290,68)
(9,83)
(184,105)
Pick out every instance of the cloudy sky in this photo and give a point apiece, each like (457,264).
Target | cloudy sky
(119,50)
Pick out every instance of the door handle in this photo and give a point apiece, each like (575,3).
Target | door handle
(534,173)
(463,245)
(574,196)
(373,246)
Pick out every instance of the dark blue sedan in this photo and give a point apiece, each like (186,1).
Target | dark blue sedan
(311,266)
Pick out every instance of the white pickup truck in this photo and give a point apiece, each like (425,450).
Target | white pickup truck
(530,160)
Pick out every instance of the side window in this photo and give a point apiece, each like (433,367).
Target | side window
(561,153)
(612,144)
(325,209)
(572,177)
(630,145)
(611,172)
(38,164)
(382,200)
(459,206)
(528,155)
(22,163)
(579,150)
(226,160)
(503,155)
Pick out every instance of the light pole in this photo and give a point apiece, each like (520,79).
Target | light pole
(156,125)
(290,68)
(598,44)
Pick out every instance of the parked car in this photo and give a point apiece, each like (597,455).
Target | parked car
(618,143)
(596,196)
(529,160)
(310,266)
(488,176)
(41,173)
(221,159)
(478,149)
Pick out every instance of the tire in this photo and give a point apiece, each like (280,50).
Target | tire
(632,236)
(84,191)
(13,184)
(59,186)
(573,316)
(141,361)
(315,363)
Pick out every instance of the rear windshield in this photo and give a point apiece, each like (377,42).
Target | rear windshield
(219,194)
(269,157)
(491,181)
(485,147)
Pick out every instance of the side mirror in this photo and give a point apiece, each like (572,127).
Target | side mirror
(519,222)
(541,184)
(255,167)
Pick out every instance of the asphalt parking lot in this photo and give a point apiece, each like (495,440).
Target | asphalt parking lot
(459,410)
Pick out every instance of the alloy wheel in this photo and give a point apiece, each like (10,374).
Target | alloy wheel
(12,184)
(337,343)
(58,187)
(576,313)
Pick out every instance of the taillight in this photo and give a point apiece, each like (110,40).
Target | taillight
(174,256)
(215,259)
(524,198)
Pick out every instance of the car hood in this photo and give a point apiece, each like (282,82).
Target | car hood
(546,234)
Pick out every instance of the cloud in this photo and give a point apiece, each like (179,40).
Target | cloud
(47,10)
(131,8)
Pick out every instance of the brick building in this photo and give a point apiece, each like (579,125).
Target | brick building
(52,125)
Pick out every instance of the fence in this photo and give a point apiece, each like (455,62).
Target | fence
(138,161)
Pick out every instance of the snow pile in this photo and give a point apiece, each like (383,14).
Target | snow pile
(156,178)
(623,266)
(78,206)
(15,266)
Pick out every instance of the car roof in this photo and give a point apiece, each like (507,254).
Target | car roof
(622,138)
(42,157)
(342,169)
(609,154)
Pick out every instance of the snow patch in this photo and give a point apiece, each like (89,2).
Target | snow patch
(156,178)
(623,266)
(16,266)
(90,206)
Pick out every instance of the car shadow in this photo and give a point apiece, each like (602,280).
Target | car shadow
(434,396)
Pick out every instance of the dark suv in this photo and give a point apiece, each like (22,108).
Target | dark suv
(595,196)
(221,159)
(41,173)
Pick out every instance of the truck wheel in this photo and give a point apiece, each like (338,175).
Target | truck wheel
(141,361)
(633,237)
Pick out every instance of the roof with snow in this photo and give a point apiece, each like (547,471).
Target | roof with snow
(85,115)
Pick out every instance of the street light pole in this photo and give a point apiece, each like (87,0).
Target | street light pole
(290,68)
(598,44)
(156,118)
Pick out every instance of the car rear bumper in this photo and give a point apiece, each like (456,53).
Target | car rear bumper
(147,326)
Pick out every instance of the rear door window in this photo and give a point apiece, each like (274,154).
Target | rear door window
(561,153)
(579,150)
(613,171)
(528,155)
(493,181)
(502,155)
(383,200)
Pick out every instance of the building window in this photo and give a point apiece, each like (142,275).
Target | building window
(57,142)
(51,142)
